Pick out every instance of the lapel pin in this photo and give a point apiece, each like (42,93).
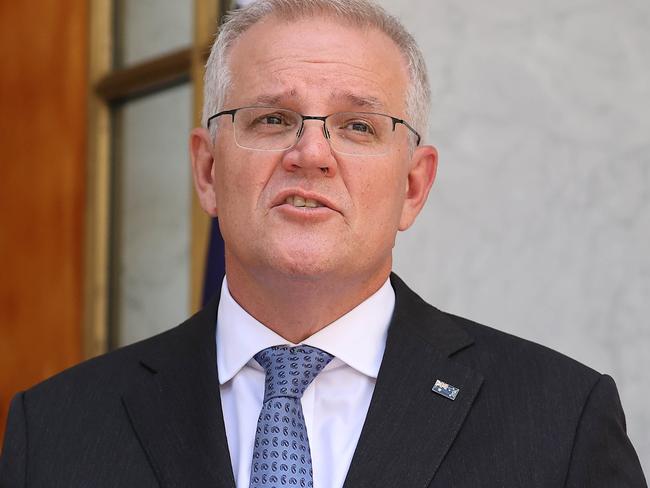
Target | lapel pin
(446,390)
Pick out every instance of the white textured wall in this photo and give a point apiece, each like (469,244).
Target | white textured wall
(539,223)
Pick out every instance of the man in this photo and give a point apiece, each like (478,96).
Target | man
(326,370)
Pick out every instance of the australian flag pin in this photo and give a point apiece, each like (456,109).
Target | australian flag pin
(446,390)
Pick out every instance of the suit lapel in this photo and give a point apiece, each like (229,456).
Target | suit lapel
(175,406)
(409,428)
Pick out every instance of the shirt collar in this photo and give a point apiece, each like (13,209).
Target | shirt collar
(357,339)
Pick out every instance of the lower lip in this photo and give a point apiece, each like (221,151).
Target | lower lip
(311,214)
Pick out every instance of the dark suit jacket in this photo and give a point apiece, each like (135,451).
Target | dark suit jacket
(149,415)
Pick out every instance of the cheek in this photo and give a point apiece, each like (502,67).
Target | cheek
(379,203)
(383,189)
(240,181)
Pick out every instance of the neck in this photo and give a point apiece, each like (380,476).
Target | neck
(296,307)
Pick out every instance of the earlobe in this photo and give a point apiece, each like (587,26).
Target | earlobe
(422,174)
(201,153)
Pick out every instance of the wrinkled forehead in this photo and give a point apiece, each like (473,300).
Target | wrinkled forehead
(279,60)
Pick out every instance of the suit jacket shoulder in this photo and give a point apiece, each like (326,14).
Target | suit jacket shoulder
(497,351)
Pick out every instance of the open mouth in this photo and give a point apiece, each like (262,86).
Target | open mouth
(305,200)
(298,201)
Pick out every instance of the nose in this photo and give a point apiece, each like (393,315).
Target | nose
(312,151)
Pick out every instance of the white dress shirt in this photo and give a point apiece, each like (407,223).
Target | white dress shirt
(335,404)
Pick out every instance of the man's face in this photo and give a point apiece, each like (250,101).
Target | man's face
(314,67)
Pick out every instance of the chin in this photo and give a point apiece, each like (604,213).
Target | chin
(306,263)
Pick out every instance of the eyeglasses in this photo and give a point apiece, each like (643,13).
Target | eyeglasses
(278,129)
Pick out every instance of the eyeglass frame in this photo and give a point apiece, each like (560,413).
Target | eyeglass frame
(322,118)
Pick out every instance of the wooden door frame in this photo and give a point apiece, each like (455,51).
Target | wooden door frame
(106,87)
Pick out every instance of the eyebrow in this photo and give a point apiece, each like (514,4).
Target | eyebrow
(361,101)
(272,99)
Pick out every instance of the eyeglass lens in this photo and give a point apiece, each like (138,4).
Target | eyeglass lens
(273,129)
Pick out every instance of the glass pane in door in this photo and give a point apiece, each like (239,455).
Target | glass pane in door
(151,215)
(149,28)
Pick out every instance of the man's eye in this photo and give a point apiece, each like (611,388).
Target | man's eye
(271,120)
(361,127)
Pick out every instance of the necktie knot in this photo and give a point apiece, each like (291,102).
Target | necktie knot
(290,370)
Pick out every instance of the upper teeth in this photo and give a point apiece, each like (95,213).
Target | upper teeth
(297,201)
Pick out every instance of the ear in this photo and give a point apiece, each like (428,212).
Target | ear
(201,152)
(422,173)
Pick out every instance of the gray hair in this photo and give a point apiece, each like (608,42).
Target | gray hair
(361,13)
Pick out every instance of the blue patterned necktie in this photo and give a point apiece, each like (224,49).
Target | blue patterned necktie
(281,455)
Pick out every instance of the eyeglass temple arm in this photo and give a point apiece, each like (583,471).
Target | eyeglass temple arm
(404,122)
(219,114)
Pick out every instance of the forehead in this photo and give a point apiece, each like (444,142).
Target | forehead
(317,64)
